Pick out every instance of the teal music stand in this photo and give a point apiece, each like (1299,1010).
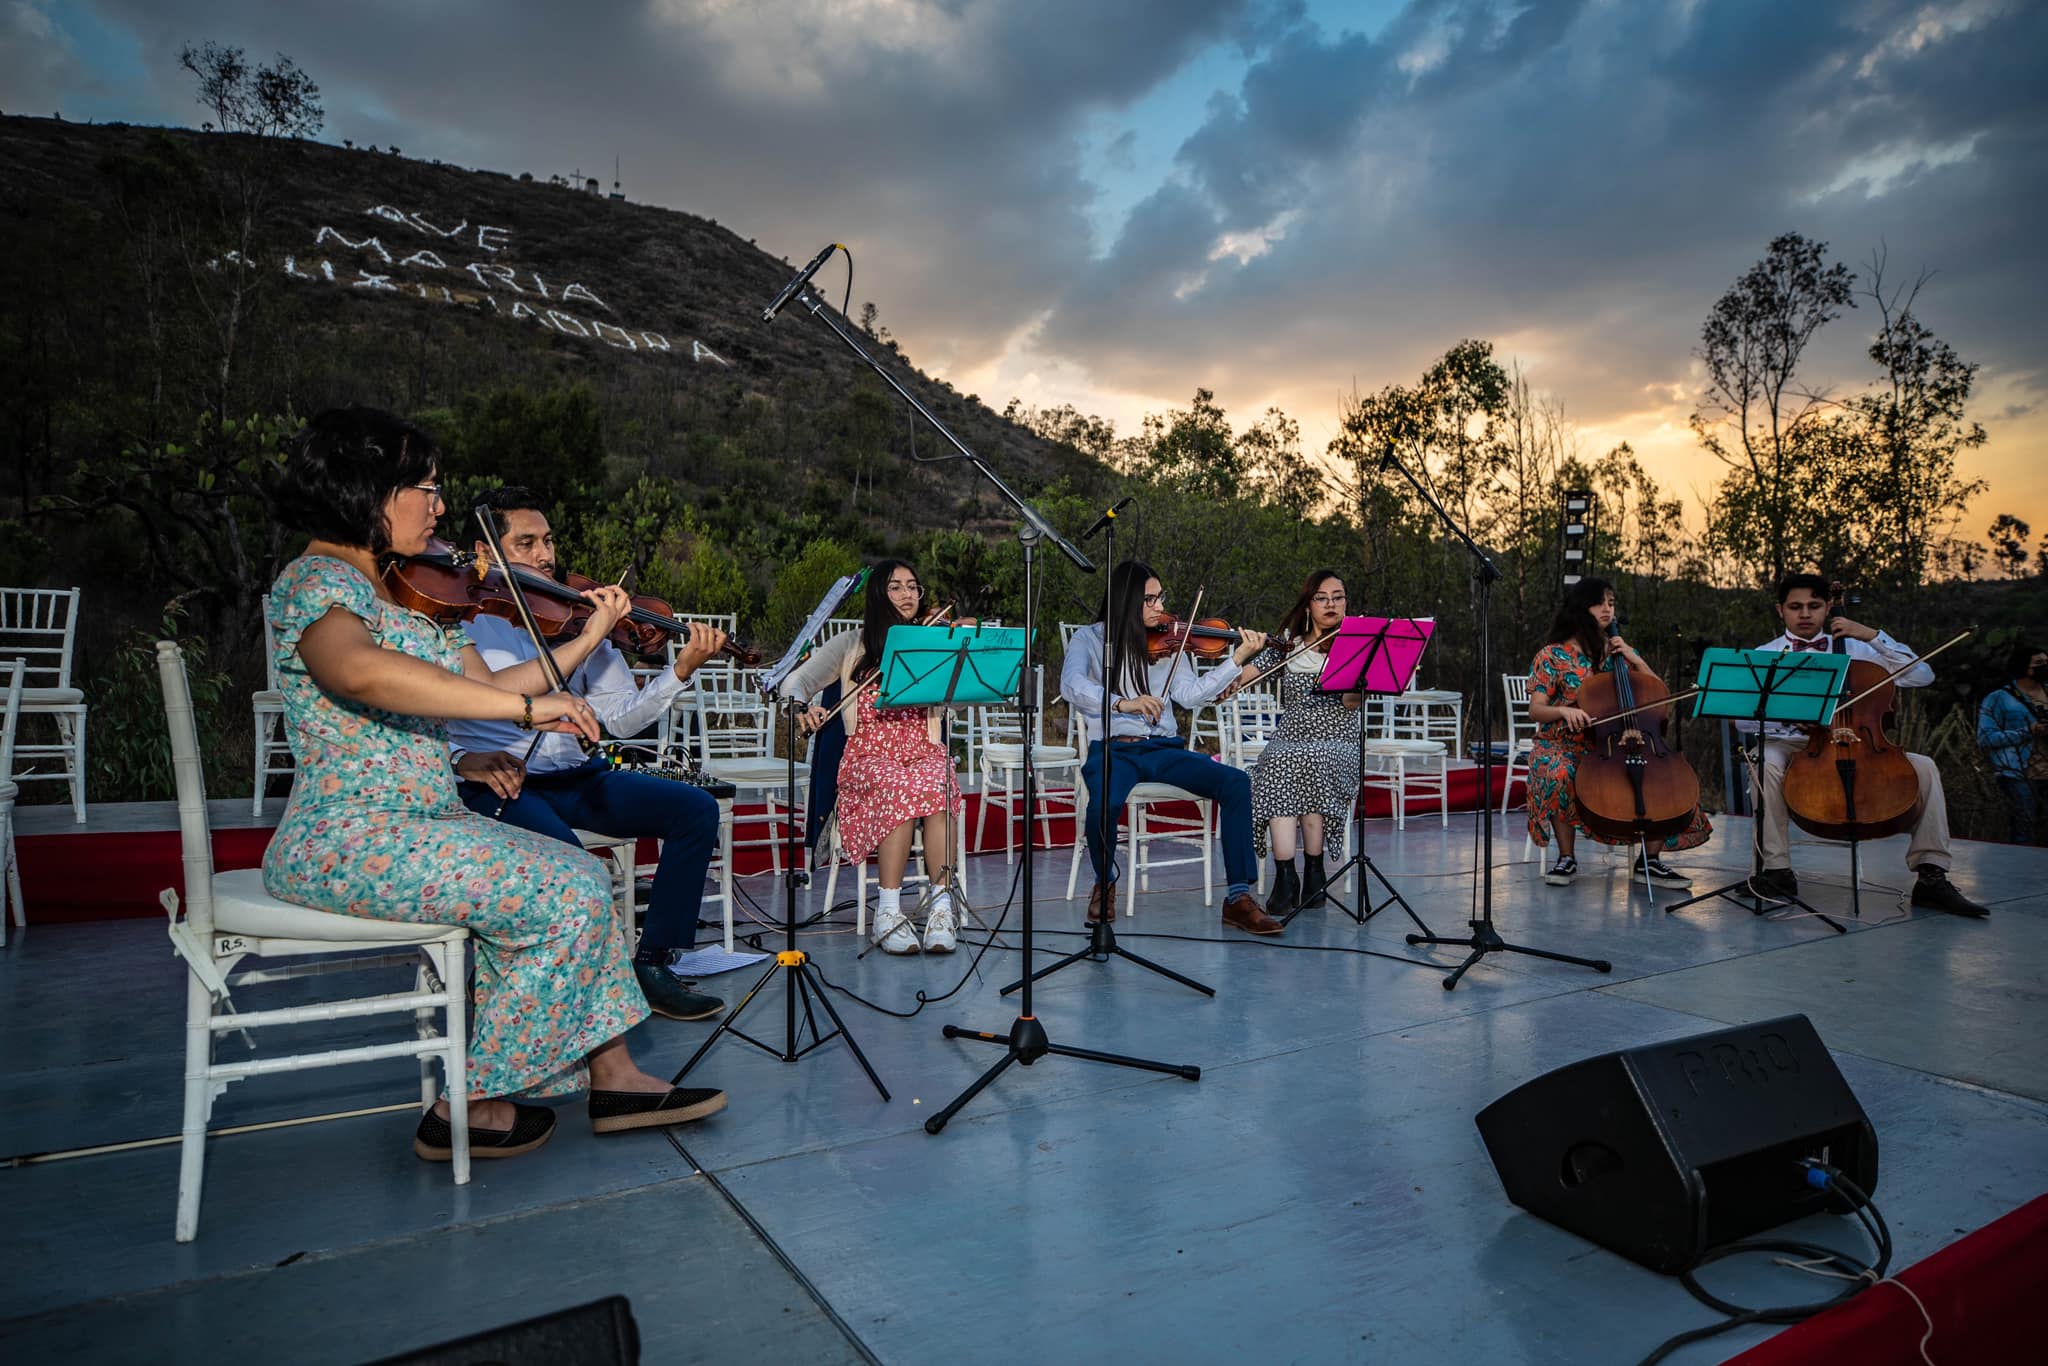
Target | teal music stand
(1792,687)
(951,666)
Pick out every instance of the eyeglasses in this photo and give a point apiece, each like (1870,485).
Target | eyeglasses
(1327,599)
(1155,599)
(433,491)
(911,587)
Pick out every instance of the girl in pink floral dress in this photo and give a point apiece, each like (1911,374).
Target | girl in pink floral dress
(375,829)
(1577,640)
(896,771)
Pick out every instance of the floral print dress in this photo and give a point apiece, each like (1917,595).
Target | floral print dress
(1559,672)
(892,772)
(374,829)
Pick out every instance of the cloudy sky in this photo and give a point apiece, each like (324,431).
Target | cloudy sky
(1110,202)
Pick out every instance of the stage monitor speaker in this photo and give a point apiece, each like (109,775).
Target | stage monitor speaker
(601,1333)
(1664,1151)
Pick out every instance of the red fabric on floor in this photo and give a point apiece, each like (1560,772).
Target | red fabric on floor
(68,877)
(1983,1293)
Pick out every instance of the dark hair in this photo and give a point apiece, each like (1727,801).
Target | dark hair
(1125,627)
(510,498)
(1574,620)
(343,467)
(2020,661)
(1820,586)
(1295,623)
(878,614)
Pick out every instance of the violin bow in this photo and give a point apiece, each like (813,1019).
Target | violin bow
(1281,663)
(548,664)
(1955,640)
(1194,612)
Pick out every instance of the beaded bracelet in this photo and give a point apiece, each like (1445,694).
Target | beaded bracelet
(526,721)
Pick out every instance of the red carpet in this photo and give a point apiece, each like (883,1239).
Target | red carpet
(1983,1294)
(72,877)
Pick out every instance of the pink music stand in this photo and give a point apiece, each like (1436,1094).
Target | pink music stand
(1375,654)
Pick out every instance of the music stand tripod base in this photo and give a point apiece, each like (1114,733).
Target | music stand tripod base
(804,984)
(1484,939)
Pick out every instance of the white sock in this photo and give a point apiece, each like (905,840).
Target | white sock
(889,902)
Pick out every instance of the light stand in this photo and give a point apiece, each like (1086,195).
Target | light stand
(1484,939)
(1026,1041)
(804,984)
(1102,945)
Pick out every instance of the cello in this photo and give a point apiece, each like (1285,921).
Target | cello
(1630,785)
(1852,782)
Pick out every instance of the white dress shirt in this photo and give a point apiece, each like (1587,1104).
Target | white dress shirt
(1881,650)
(604,680)
(1081,685)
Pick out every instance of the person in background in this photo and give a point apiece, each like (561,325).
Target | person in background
(2012,730)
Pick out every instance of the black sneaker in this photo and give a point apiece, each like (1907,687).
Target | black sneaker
(1778,883)
(1936,892)
(1657,871)
(1560,873)
(668,995)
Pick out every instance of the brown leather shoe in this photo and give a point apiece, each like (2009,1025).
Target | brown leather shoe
(1245,913)
(1095,899)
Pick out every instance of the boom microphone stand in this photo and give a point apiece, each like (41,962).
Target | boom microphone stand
(1484,939)
(1102,945)
(1026,1040)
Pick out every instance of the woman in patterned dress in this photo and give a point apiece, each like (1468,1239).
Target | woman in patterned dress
(1307,775)
(374,827)
(896,771)
(1577,638)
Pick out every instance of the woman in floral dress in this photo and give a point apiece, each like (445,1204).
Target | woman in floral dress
(374,827)
(896,771)
(1577,638)
(1307,775)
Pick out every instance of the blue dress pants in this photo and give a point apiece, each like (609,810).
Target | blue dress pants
(1167,759)
(640,805)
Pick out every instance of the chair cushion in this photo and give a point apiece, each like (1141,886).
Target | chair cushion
(241,906)
(51,697)
(590,839)
(1163,792)
(754,772)
(1404,747)
(270,699)
(1432,695)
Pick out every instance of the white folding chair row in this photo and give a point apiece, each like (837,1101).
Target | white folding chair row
(273,755)
(913,873)
(39,627)
(1430,714)
(1402,767)
(1002,782)
(11,903)
(1252,717)
(228,917)
(1521,736)
(1139,818)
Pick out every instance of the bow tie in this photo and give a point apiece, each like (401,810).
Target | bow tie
(1819,643)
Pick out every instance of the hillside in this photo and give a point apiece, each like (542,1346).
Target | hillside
(414,285)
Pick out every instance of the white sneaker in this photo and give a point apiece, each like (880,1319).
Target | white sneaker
(894,933)
(940,933)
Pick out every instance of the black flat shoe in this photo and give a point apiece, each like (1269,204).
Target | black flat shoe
(532,1125)
(614,1112)
(1936,892)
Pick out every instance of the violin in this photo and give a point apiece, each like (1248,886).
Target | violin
(450,586)
(1207,638)
(1852,781)
(1631,785)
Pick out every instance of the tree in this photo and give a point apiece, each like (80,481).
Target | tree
(2009,543)
(1277,472)
(275,101)
(1751,408)
(1192,450)
(1916,425)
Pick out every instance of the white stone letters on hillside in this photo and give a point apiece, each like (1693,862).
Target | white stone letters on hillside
(441,274)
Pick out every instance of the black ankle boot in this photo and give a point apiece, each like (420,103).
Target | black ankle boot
(1313,880)
(1286,890)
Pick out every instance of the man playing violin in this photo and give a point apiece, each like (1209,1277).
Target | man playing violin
(558,790)
(1149,748)
(1804,609)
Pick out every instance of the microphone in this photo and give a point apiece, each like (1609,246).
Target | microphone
(797,282)
(1108,516)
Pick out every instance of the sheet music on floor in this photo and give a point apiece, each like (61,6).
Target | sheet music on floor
(709,962)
